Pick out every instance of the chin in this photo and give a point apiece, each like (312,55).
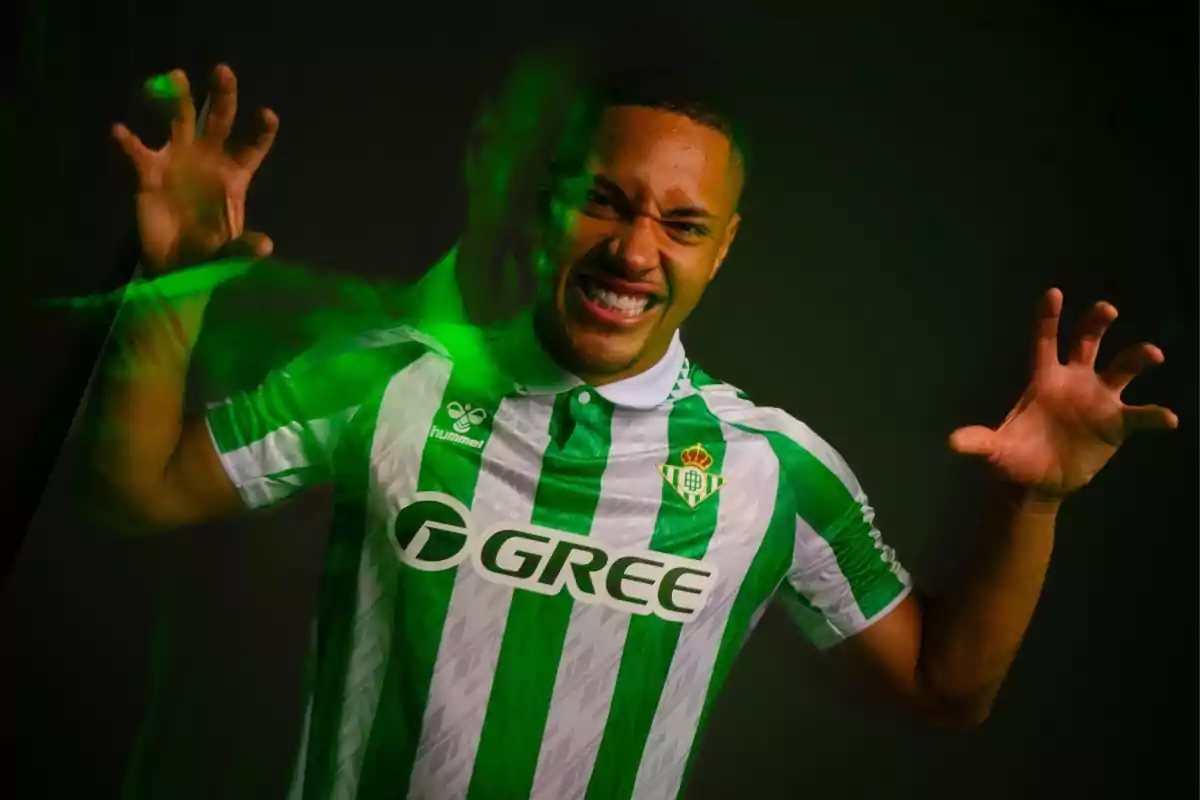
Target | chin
(595,353)
(585,351)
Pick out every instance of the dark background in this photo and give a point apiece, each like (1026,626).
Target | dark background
(921,178)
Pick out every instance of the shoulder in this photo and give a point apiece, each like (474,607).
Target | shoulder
(382,350)
(802,452)
(345,370)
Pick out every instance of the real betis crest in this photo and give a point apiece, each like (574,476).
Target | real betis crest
(692,480)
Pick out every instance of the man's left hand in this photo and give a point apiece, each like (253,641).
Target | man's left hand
(1070,420)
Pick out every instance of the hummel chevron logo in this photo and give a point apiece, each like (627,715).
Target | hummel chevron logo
(463,417)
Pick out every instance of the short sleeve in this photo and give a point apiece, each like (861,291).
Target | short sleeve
(842,577)
(280,437)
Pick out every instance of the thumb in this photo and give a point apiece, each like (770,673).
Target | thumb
(973,440)
(251,244)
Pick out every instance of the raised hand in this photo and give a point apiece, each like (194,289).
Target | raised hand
(191,199)
(1071,419)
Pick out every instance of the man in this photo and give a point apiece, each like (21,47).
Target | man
(553,532)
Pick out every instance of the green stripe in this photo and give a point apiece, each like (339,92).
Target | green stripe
(338,601)
(519,704)
(422,601)
(824,502)
(650,642)
(702,380)
(767,571)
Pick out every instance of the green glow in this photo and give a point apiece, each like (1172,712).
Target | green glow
(161,87)
(272,333)
(523,180)
(173,286)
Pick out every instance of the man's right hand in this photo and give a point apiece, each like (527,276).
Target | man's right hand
(191,198)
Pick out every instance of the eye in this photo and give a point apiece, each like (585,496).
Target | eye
(688,230)
(598,198)
(600,205)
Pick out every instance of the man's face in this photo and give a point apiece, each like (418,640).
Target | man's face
(640,236)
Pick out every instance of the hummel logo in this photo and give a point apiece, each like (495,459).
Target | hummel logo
(464,416)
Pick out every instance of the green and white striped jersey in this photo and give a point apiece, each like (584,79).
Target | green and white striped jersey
(538,590)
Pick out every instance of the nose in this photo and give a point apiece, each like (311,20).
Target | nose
(636,245)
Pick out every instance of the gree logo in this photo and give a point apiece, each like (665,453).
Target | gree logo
(436,532)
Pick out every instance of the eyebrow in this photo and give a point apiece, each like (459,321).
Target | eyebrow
(688,212)
(678,212)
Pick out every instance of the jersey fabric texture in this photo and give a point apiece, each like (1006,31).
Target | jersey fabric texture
(538,590)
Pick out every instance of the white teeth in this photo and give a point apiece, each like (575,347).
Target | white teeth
(629,305)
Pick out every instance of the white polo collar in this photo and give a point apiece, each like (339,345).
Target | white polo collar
(530,367)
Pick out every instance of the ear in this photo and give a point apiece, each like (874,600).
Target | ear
(731,231)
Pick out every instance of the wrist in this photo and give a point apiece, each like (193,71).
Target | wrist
(1028,499)
(1033,501)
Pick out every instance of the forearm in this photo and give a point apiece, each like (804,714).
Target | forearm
(972,632)
(134,414)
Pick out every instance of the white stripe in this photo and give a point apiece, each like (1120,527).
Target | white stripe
(407,410)
(815,574)
(742,523)
(254,469)
(630,496)
(478,612)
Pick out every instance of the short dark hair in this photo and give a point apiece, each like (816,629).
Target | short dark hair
(667,89)
(561,86)
(691,93)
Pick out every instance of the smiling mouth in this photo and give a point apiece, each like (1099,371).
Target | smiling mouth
(611,305)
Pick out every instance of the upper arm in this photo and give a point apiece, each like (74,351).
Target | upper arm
(887,653)
(193,486)
(196,486)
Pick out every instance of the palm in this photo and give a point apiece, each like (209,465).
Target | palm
(192,192)
(1070,420)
